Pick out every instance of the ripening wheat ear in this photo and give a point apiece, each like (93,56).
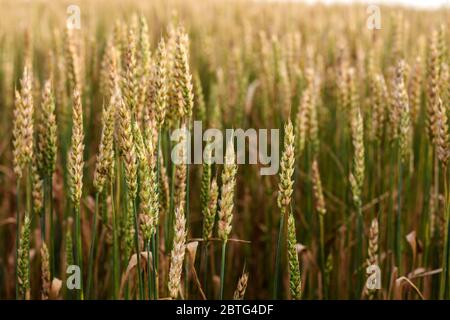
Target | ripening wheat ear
(47,132)
(130,84)
(317,188)
(372,258)
(239,293)
(177,253)
(210,210)
(441,138)
(104,167)
(150,134)
(402,104)
(373,243)
(285,186)
(131,147)
(148,193)
(442,46)
(181,99)
(379,98)
(181,169)
(149,199)
(415,89)
(37,188)
(285,189)
(356,182)
(119,40)
(127,148)
(321,209)
(143,66)
(23,267)
(72,60)
(18,150)
(45,272)
(141,150)
(159,83)
(205,192)
(357,176)
(433,71)
(227,194)
(75,161)
(226,205)
(108,69)
(23,124)
(302,123)
(75,167)
(341,78)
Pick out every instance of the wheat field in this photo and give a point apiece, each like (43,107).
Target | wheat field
(93,205)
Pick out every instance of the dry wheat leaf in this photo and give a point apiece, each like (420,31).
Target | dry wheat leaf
(191,248)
